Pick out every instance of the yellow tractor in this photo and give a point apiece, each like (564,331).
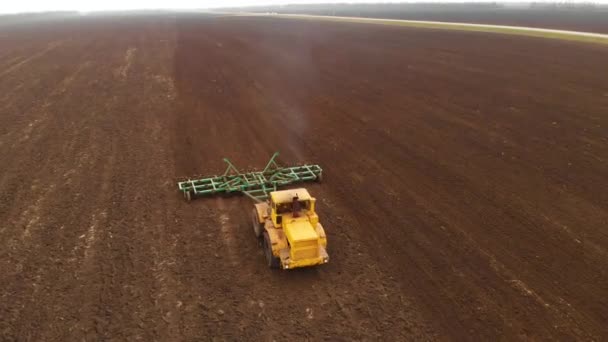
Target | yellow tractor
(284,221)
(289,229)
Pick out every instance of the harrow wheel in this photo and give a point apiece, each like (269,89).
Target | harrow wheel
(187,196)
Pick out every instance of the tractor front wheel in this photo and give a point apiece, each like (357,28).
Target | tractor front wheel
(271,260)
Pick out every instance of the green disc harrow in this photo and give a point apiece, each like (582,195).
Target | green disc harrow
(255,184)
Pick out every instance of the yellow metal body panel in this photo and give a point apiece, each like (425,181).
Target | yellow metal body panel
(273,217)
(288,263)
(303,239)
(321,233)
(313,218)
(299,229)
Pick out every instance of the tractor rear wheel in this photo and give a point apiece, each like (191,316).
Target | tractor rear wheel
(271,260)
(257,226)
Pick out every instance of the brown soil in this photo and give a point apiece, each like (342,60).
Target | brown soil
(465,192)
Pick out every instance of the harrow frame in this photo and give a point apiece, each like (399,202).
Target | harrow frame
(254,184)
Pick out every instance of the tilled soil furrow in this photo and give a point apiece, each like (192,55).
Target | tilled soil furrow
(464,191)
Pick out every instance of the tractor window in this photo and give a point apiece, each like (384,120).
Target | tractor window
(286,208)
(305,205)
(283,208)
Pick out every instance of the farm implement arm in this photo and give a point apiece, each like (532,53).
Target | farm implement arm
(255,184)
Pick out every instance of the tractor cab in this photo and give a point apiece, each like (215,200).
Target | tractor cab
(291,204)
(289,229)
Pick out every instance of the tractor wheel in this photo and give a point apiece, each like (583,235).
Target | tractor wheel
(271,260)
(257,226)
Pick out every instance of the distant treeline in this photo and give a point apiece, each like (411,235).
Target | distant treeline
(7,19)
(330,7)
(372,9)
(586,17)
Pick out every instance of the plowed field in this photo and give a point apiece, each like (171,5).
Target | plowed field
(465,191)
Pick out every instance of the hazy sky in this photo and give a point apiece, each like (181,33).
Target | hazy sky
(15,6)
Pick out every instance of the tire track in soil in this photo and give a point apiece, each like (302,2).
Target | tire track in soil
(145,278)
(424,193)
(445,205)
(319,309)
(44,184)
(33,112)
(44,266)
(226,231)
(458,285)
(102,280)
(18,65)
(421,199)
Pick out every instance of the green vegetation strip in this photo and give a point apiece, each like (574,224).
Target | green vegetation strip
(463,27)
